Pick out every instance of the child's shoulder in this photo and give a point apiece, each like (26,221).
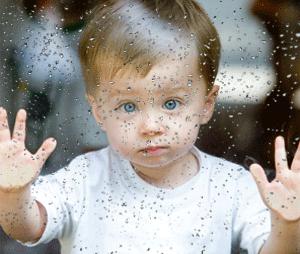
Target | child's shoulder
(220,167)
(89,158)
(89,163)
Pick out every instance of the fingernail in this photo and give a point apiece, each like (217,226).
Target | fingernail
(248,161)
(23,111)
(280,138)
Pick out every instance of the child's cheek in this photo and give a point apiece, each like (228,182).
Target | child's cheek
(122,135)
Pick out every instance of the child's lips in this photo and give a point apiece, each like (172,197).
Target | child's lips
(154,150)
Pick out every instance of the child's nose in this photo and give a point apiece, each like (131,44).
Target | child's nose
(151,125)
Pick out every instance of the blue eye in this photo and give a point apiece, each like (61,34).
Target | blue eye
(171,104)
(129,107)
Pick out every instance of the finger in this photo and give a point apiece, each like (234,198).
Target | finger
(4,128)
(19,132)
(281,164)
(260,177)
(45,150)
(296,161)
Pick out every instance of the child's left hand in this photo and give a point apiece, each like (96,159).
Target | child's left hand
(282,195)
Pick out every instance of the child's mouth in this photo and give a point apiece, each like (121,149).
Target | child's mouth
(154,150)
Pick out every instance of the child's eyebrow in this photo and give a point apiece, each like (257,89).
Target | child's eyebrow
(158,91)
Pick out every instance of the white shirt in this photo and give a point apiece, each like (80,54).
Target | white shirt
(98,204)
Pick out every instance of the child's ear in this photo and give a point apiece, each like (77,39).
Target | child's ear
(209,104)
(95,112)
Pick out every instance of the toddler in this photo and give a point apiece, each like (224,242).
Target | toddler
(150,68)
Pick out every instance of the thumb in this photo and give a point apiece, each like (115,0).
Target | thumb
(260,177)
(45,150)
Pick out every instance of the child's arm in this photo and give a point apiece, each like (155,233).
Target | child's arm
(21,217)
(282,196)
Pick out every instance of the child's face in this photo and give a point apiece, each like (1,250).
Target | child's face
(164,110)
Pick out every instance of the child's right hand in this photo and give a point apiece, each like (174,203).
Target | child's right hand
(18,167)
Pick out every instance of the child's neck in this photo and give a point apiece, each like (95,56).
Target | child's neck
(172,175)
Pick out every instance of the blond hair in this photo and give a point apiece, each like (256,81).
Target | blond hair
(133,35)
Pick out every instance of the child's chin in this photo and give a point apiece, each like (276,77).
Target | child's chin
(153,163)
